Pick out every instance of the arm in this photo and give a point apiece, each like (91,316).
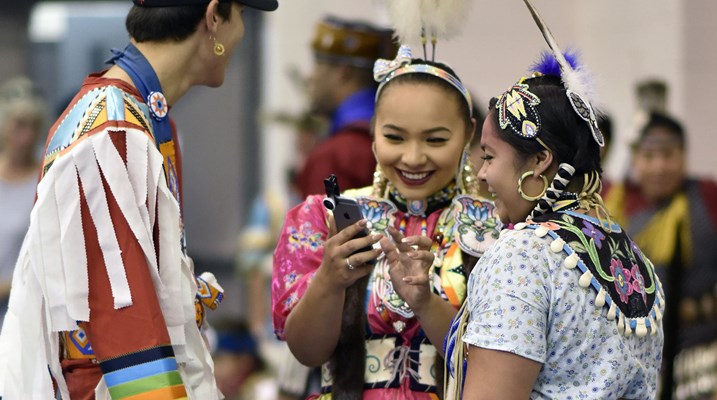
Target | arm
(132,363)
(508,303)
(310,281)
(493,374)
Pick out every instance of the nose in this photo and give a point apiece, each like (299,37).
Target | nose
(414,155)
(481,172)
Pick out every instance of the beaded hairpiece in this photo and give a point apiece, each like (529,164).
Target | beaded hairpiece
(516,107)
(385,70)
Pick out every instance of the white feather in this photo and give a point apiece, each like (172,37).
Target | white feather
(445,18)
(442,19)
(579,80)
(405,17)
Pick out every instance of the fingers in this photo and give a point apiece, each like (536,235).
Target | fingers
(359,244)
(363,258)
(389,249)
(332,225)
(398,240)
(350,232)
(421,242)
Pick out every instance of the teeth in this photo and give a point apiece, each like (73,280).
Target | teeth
(415,177)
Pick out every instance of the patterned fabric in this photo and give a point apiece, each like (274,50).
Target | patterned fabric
(528,297)
(299,254)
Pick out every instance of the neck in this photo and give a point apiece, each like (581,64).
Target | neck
(173,62)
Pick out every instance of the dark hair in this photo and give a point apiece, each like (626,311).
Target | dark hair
(479,116)
(561,129)
(158,24)
(664,121)
(422,78)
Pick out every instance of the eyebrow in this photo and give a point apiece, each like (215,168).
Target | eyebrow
(426,132)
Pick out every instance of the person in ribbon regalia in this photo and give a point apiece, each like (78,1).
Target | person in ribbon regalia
(565,305)
(104,300)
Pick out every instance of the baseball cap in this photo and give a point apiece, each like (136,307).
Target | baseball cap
(264,5)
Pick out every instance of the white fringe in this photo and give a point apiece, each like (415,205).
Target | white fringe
(50,286)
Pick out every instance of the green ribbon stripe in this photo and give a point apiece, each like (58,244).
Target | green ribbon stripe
(147,384)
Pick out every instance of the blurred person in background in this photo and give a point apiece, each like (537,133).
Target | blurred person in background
(342,88)
(256,244)
(104,301)
(240,371)
(22,119)
(673,219)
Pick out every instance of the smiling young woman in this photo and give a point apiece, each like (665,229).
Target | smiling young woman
(564,305)
(344,310)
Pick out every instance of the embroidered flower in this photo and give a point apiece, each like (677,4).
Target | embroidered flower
(304,237)
(623,279)
(590,231)
(290,279)
(291,301)
(550,225)
(638,282)
(477,211)
(376,214)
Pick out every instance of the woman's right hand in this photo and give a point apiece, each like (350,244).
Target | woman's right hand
(340,268)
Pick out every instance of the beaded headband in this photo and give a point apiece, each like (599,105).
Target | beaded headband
(385,70)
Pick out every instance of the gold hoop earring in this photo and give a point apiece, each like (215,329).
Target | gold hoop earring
(218,48)
(532,198)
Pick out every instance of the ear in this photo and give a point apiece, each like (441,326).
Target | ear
(542,161)
(211,18)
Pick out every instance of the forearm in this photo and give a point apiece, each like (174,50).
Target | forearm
(314,325)
(435,317)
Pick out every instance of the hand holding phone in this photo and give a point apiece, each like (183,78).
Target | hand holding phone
(346,210)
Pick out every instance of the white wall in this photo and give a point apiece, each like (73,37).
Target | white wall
(622,42)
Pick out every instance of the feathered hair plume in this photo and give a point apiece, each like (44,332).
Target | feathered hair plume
(580,77)
(575,77)
(418,21)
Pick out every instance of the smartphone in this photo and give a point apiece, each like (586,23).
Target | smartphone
(346,210)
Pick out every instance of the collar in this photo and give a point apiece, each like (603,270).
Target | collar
(145,79)
(358,107)
(440,199)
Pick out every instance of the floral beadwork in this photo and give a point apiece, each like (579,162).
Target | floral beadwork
(304,237)
(628,275)
(478,226)
(378,213)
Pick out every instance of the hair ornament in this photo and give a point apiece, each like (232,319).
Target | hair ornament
(575,78)
(385,70)
(517,109)
(418,21)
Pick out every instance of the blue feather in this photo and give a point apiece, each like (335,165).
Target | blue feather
(548,65)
